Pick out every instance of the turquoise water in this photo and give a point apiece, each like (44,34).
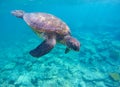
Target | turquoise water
(95,23)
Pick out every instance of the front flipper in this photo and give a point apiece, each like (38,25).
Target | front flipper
(44,48)
(67,50)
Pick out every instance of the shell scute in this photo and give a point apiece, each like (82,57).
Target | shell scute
(42,22)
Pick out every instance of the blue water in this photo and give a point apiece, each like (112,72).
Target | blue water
(95,23)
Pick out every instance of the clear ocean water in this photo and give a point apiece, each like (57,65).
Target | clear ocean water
(95,23)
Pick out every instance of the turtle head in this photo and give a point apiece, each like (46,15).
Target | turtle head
(18,13)
(72,43)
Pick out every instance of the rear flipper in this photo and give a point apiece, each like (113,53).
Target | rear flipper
(45,47)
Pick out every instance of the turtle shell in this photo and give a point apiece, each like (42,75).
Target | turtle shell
(42,22)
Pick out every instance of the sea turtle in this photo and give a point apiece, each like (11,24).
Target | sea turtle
(51,28)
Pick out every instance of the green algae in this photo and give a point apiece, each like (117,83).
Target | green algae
(115,76)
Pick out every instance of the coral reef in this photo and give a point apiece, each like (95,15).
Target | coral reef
(88,68)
